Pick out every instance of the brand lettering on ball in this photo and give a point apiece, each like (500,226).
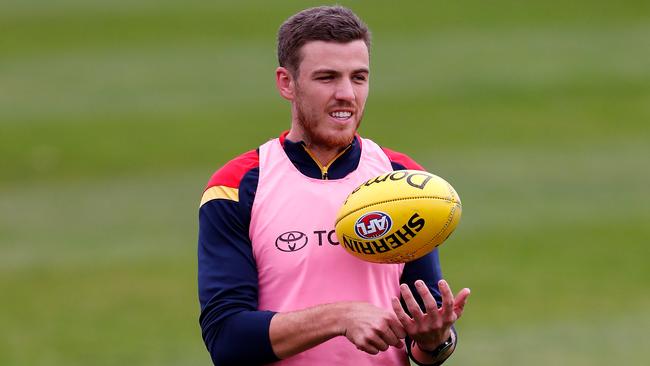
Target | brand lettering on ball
(406,233)
(373,225)
(417,180)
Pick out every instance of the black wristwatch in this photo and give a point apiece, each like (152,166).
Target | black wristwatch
(436,354)
(441,349)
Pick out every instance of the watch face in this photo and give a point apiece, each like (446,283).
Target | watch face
(443,347)
(446,345)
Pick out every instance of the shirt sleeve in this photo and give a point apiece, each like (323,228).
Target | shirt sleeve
(234,331)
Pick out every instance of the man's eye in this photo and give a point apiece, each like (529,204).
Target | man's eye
(325,78)
(360,78)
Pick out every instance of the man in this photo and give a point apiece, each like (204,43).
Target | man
(274,286)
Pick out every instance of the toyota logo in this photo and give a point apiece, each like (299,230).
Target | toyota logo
(291,241)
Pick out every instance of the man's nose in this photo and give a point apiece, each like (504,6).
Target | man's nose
(345,91)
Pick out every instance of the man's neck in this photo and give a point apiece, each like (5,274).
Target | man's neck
(324,155)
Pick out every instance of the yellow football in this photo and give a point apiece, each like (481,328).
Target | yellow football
(398,217)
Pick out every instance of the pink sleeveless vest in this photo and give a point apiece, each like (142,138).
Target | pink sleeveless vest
(299,260)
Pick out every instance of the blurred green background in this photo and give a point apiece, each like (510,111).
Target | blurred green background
(113,115)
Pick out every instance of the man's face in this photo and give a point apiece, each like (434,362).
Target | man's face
(330,91)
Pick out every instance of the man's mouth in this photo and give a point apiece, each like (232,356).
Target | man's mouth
(341,115)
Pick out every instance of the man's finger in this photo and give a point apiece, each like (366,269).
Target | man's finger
(460,301)
(447,300)
(368,349)
(411,304)
(377,342)
(396,325)
(430,303)
(391,338)
(404,319)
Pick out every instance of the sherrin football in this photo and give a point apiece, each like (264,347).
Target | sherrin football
(398,217)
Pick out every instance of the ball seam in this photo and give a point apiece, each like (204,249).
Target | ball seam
(393,200)
(446,225)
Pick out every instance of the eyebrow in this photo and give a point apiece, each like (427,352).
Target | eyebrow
(335,72)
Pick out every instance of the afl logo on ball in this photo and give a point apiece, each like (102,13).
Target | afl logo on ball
(373,225)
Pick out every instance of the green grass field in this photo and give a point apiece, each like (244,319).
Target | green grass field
(113,115)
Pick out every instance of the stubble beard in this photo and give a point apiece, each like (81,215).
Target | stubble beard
(309,121)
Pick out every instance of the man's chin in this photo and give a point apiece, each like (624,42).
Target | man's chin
(340,140)
(333,140)
(328,135)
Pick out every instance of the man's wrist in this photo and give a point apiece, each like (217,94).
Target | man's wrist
(436,356)
(431,347)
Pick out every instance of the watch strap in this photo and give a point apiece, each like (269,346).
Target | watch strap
(440,354)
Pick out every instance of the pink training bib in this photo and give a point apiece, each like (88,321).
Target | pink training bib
(299,261)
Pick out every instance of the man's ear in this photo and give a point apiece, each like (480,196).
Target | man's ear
(285,83)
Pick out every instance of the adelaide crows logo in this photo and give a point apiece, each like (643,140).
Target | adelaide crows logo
(291,241)
(373,225)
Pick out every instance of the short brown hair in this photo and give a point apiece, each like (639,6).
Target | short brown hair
(323,23)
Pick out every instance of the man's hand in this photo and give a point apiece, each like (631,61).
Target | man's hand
(430,329)
(370,328)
